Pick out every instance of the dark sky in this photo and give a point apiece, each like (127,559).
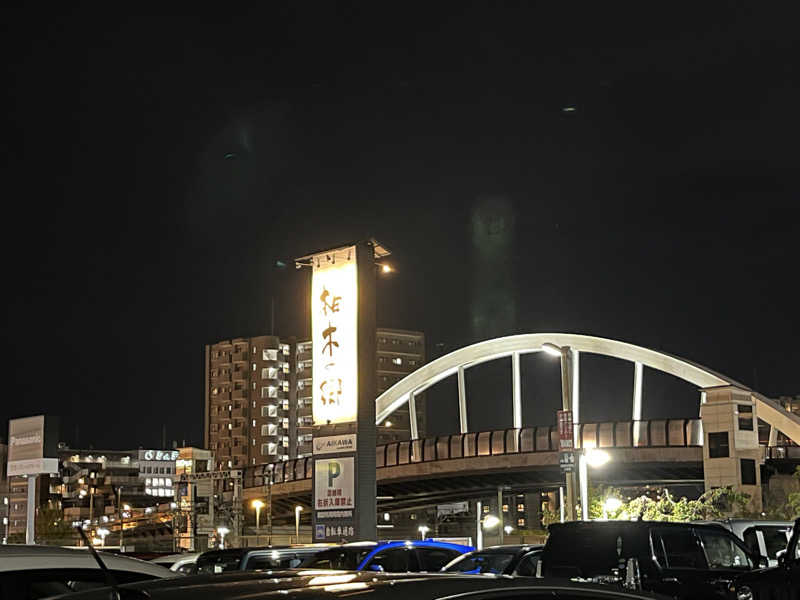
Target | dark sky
(156,166)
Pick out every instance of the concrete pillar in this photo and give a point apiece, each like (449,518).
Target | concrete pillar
(731,454)
(462,401)
(638,372)
(30,521)
(773,436)
(516,387)
(412,416)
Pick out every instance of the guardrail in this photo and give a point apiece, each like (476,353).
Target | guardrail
(665,433)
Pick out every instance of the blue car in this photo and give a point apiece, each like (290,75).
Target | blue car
(389,557)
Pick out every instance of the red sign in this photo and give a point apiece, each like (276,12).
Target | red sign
(565,430)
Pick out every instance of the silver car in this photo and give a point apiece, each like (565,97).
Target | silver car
(33,572)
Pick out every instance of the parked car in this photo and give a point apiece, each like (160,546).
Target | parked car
(766,538)
(31,572)
(253,559)
(498,560)
(778,583)
(379,586)
(681,560)
(390,557)
(180,563)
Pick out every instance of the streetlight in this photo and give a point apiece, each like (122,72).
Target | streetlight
(386,268)
(590,457)
(423,530)
(222,531)
(564,353)
(297,511)
(611,505)
(490,522)
(508,529)
(258,505)
(102,532)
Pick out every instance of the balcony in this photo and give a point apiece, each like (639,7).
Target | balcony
(237,413)
(238,432)
(240,357)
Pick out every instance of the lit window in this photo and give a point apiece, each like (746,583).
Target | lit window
(255,366)
(485,509)
(520,507)
(520,522)
(398,361)
(269,354)
(254,422)
(505,507)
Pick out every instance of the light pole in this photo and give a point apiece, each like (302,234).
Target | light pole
(121,517)
(258,505)
(590,457)
(297,511)
(269,507)
(564,354)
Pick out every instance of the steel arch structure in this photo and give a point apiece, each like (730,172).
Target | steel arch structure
(455,363)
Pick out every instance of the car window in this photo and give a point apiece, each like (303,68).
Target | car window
(527,566)
(188,569)
(346,559)
(722,551)
(433,559)
(480,562)
(219,562)
(392,560)
(678,549)
(776,538)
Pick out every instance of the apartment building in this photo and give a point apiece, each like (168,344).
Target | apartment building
(259,396)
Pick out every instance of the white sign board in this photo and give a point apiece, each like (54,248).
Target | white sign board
(34,466)
(26,446)
(334,483)
(334,329)
(333,444)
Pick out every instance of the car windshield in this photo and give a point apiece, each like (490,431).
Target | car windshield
(341,559)
(219,562)
(480,562)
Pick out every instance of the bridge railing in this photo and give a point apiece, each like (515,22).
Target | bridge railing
(615,434)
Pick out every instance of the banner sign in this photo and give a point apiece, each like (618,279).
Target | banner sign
(334,329)
(565,430)
(26,447)
(334,444)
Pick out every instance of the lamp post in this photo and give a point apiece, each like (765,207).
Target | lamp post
(121,518)
(590,457)
(566,404)
(297,511)
(258,505)
(423,530)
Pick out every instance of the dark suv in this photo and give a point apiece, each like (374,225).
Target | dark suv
(681,560)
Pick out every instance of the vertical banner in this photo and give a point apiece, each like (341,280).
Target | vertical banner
(565,430)
(334,327)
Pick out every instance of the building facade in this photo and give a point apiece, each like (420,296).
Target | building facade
(258,395)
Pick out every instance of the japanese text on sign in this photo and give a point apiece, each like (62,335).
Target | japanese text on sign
(334,483)
(334,316)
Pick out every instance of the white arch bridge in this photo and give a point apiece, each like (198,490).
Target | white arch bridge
(456,362)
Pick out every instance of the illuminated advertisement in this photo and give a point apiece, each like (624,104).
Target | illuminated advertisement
(334,326)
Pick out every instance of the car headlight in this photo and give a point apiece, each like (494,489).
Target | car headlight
(744,593)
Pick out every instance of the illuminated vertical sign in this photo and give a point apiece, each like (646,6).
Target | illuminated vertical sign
(334,328)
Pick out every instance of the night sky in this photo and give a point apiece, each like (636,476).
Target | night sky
(623,170)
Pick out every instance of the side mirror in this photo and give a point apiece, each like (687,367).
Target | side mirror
(781,556)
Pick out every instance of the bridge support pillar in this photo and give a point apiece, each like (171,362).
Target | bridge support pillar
(462,401)
(731,454)
(516,387)
(412,416)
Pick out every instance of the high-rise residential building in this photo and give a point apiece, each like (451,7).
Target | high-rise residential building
(247,401)
(258,395)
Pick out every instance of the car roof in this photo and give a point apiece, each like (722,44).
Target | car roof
(630,525)
(19,557)
(173,558)
(314,584)
(510,548)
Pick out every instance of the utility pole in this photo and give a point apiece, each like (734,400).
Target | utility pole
(121,517)
(269,507)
